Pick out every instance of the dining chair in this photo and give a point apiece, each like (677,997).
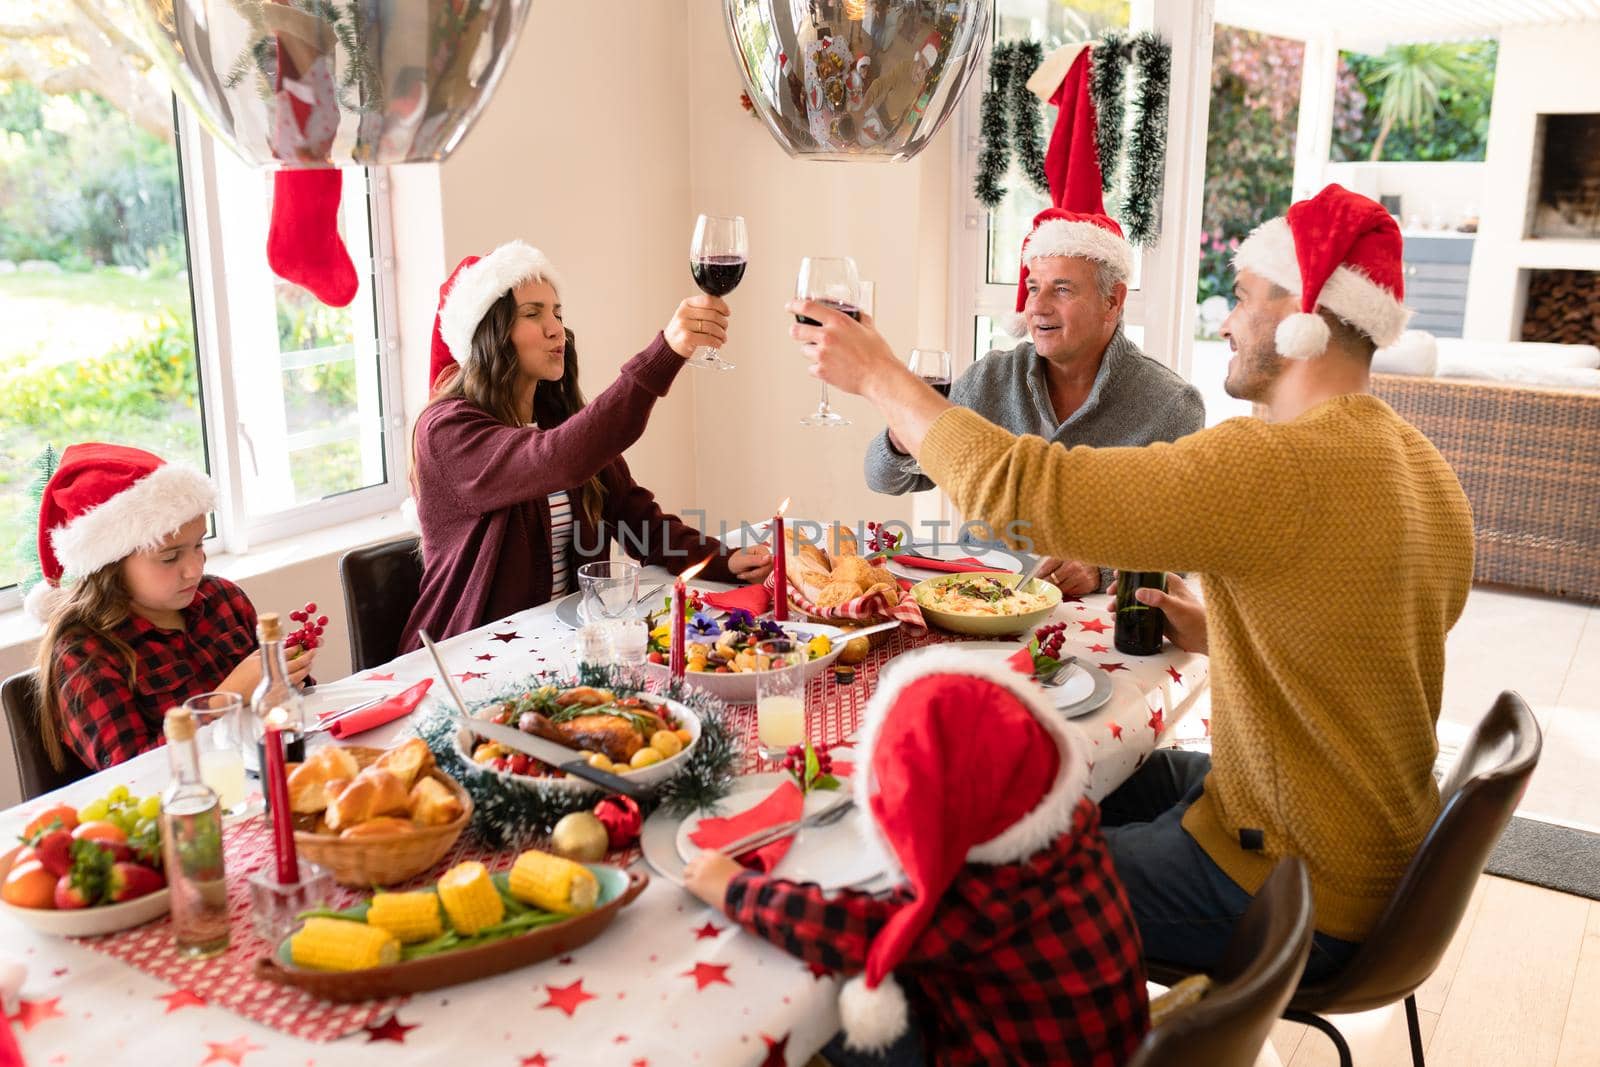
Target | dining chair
(381,584)
(1415,927)
(20,696)
(1257,975)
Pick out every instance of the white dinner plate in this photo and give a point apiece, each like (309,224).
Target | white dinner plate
(999,559)
(1085,691)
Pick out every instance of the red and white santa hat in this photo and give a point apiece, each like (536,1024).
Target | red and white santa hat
(469,292)
(1059,232)
(105,502)
(962,759)
(1340,251)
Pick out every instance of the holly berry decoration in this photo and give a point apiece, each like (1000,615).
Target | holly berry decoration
(309,635)
(1046,648)
(811,768)
(620,816)
(882,539)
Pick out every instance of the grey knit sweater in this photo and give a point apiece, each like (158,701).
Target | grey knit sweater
(1134,401)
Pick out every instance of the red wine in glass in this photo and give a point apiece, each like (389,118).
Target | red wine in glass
(938,385)
(853,312)
(718,275)
(932,365)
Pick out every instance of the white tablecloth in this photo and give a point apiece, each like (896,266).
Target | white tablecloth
(671,982)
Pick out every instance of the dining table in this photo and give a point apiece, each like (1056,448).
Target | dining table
(671,981)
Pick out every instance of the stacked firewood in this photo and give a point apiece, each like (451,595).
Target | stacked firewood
(1563,306)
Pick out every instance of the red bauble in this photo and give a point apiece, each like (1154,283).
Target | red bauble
(620,816)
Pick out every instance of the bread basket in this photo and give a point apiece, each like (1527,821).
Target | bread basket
(363,862)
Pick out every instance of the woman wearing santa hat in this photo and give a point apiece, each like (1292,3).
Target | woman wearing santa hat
(1007,938)
(140,626)
(518,480)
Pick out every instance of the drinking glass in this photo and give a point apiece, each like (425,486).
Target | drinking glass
(932,365)
(610,590)
(718,253)
(781,697)
(221,741)
(832,281)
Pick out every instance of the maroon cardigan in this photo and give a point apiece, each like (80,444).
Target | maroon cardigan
(482,498)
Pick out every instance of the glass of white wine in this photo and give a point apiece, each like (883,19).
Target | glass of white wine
(221,742)
(781,697)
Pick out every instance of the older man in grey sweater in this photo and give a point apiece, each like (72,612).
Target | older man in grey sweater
(1079,381)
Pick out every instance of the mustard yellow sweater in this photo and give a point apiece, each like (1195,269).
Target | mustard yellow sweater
(1336,552)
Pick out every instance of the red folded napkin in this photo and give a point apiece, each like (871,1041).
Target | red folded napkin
(399,705)
(752,598)
(963,565)
(1021,660)
(784,804)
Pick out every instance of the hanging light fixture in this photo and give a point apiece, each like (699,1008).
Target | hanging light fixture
(295,84)
(856,79)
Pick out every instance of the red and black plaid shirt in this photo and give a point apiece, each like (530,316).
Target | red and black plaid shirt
(1030,962)
(110,718)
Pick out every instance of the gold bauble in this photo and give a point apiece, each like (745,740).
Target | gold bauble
(581,837)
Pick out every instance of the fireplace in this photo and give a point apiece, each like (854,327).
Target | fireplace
(1563,306)
(1567,177)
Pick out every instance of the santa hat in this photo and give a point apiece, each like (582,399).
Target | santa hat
(471,290)
(105,502)
(1340,251)
(1058,232)
(935,801)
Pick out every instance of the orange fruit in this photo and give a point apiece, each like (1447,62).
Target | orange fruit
(29,885)
(101,831)
(67,815)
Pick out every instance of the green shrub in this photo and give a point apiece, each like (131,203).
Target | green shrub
(144,376)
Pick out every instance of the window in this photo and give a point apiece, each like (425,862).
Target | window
(134,316)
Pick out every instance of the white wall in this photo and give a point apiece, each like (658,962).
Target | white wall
(1540,70)
(1444,191)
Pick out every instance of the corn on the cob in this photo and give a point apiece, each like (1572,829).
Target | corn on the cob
(553,883)
(411,917)
(342,945)
(470,898)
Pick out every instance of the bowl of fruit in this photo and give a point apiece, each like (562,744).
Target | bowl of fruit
(721,656)
(643,736)
(89,871)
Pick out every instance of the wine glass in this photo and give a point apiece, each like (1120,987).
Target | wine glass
(832,281)
(717,257)
(610,590)
(932,365)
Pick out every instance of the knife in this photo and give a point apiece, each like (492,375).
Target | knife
(558,756)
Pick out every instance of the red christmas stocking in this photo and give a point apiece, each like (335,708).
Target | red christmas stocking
(303,245)
(1072,162)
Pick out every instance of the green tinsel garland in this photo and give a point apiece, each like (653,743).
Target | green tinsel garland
(995,158)
(27,554)
(1108,70)
(510,812)
(1147,147)
(1026,132)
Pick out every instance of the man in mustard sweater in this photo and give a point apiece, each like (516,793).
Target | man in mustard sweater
(1335,547)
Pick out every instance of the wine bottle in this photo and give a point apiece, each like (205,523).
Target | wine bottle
(1139,626)
(191,844)
(275,695)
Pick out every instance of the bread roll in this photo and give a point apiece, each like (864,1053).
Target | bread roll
(841,541)
(884,576)
(852,569)
(835,593)
(407,760)
(380,827)
(371,793)
(812,556)
(307,780)
(433,804)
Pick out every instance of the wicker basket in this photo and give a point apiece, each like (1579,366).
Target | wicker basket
(363,862)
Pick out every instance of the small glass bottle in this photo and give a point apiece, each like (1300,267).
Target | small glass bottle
(275,696)
(191,842)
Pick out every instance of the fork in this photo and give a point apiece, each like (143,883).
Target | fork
(1059,678)
(763,838)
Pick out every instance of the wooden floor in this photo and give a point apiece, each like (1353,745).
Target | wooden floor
(1520,987)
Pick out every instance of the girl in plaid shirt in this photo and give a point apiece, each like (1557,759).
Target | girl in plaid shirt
(1008,938)
(142,627)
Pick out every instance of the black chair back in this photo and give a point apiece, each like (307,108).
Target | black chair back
(20,695)
(381,584)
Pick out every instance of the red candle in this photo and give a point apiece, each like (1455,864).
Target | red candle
(680,650)
(278,793)
(780,567)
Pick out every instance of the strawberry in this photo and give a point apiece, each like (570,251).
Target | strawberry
(87,877)
(55,851)
(70,894)
(130,880)
(521,763)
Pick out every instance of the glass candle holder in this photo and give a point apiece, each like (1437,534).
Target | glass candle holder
(274,905)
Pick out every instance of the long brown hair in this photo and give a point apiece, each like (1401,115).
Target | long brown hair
(95,606)
(489,380)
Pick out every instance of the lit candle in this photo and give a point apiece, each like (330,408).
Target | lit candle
(680,649)
(278,793)
(780,567)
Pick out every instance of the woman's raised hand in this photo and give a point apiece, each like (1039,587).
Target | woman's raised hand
(700,321)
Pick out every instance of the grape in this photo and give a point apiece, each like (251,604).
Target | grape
(94,811)
(120,817)
(150,807)
(118,794)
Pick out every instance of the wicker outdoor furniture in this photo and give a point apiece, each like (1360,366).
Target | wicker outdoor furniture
(1529,460)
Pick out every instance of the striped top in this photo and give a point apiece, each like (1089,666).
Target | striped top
(560,542)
